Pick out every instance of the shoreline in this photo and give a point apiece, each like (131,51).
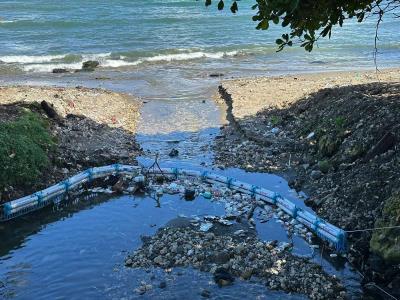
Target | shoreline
(329,133)
(88,127)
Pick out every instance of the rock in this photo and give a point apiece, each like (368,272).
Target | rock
(275,130)
(222,277)
(189,194)
(159,260)
(162,285)
(315,175)
(174,152)
(64,171)
(59,71)
(119,186)
(49,110)
(90,65)
(216,75)
(221,257)
(205,293)
(384,144)
(247,274)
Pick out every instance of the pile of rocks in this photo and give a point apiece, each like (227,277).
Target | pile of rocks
(229,255)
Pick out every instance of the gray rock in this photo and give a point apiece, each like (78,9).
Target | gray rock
(90,65)
(315,174)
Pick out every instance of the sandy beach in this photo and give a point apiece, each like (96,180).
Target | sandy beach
(251,95)
(101,106)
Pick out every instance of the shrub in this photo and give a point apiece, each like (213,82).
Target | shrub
(24,147)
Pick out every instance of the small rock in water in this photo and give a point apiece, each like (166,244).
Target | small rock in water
(59,71)
(163,285)
(189,194)
(174,152)
(222,277)
(205,293)
(90,65)
(216,75)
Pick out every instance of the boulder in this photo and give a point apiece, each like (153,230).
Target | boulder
(59,71)
(90,65)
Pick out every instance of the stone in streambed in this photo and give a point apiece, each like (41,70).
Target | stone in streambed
(222,277)
(173,153)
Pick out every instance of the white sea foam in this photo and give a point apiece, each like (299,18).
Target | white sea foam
(46,63)
(189,56)
(50,67)
(28,59)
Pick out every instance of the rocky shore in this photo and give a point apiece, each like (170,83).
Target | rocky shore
(335,136)
(89,127)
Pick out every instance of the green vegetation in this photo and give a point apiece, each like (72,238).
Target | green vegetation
(310,20)
(24,145)
(386,242)
(275,120)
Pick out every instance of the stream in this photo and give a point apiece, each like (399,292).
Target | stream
(77,251)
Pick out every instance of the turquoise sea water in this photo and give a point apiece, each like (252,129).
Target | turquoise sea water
(39,35)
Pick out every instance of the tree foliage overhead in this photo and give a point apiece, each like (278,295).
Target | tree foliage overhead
(308,20)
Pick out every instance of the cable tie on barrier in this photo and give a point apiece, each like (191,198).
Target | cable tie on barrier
(341,245)
(66,185)
(229,183)
(175,172)
(316,224)
(39,195)
(295,210)
(275,197)
(253,190)
(90,174)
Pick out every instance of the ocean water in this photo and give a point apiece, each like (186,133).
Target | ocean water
(40,35)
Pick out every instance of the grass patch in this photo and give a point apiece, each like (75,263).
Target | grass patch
(24,147)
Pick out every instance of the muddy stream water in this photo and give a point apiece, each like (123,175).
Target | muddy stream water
(77,251)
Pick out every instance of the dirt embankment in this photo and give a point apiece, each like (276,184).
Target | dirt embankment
(90,127)
(335,135)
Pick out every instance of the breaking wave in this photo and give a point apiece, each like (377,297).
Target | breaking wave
(46,63)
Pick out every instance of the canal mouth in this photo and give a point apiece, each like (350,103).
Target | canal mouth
(96,235)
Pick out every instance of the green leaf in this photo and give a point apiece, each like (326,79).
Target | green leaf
(275,19)
(234,7)
(208,2)
(263,25)
(221,5)
(279,41)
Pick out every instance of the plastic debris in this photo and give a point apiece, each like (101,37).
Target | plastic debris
(207,195)
(206,226)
